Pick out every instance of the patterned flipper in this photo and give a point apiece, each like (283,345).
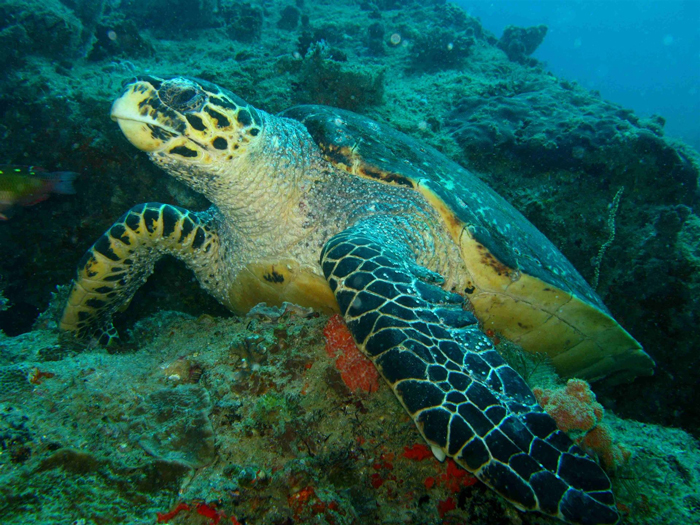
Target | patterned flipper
(466,401)
(121,260)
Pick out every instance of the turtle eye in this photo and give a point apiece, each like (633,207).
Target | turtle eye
(182,95)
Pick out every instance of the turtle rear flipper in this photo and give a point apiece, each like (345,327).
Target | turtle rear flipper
(466,401)
(121,260)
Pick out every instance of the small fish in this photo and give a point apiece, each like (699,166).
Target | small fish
(28,185)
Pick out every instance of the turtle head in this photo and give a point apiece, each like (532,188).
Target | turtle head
(184,121)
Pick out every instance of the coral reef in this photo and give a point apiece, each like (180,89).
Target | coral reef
(520,42)
(375,38)
(152,423)
(439,49)
(4,302)
(38,27)
(169,15)
(386,5)
(119,38)
(174,425)
(243,21)
(573,407)
(289,18)
(329,82)
(545,126)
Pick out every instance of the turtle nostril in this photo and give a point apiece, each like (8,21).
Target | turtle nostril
(181,95)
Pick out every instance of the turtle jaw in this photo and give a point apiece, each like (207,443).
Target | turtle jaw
(140,117)
(140,134)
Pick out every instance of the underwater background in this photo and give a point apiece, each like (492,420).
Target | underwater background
(204,417)
(642,54)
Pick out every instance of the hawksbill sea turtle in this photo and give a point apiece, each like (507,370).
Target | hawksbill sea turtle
(328,209)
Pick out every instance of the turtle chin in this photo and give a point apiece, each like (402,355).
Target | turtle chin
(140,135)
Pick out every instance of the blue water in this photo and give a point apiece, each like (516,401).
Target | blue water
(642,54)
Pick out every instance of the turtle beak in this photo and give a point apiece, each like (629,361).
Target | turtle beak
(135,112)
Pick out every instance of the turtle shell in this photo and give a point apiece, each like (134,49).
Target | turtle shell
(520,285)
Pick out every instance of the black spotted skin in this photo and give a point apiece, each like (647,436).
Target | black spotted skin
(465,400)
(121,260)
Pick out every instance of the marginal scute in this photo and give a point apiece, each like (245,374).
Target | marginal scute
(548,488)
(474,454)
(578,507)
(516,489)
(580,472)
(460,433)
(435,424)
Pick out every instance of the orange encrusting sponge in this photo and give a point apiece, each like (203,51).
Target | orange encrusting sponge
(575,410)
(357,372)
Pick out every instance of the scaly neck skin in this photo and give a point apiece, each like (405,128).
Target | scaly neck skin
(259,193)
(262,196)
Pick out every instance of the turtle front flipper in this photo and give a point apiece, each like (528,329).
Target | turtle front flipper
(466,401)
(121,260)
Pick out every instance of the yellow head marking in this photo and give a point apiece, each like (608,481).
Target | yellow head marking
(185,120)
